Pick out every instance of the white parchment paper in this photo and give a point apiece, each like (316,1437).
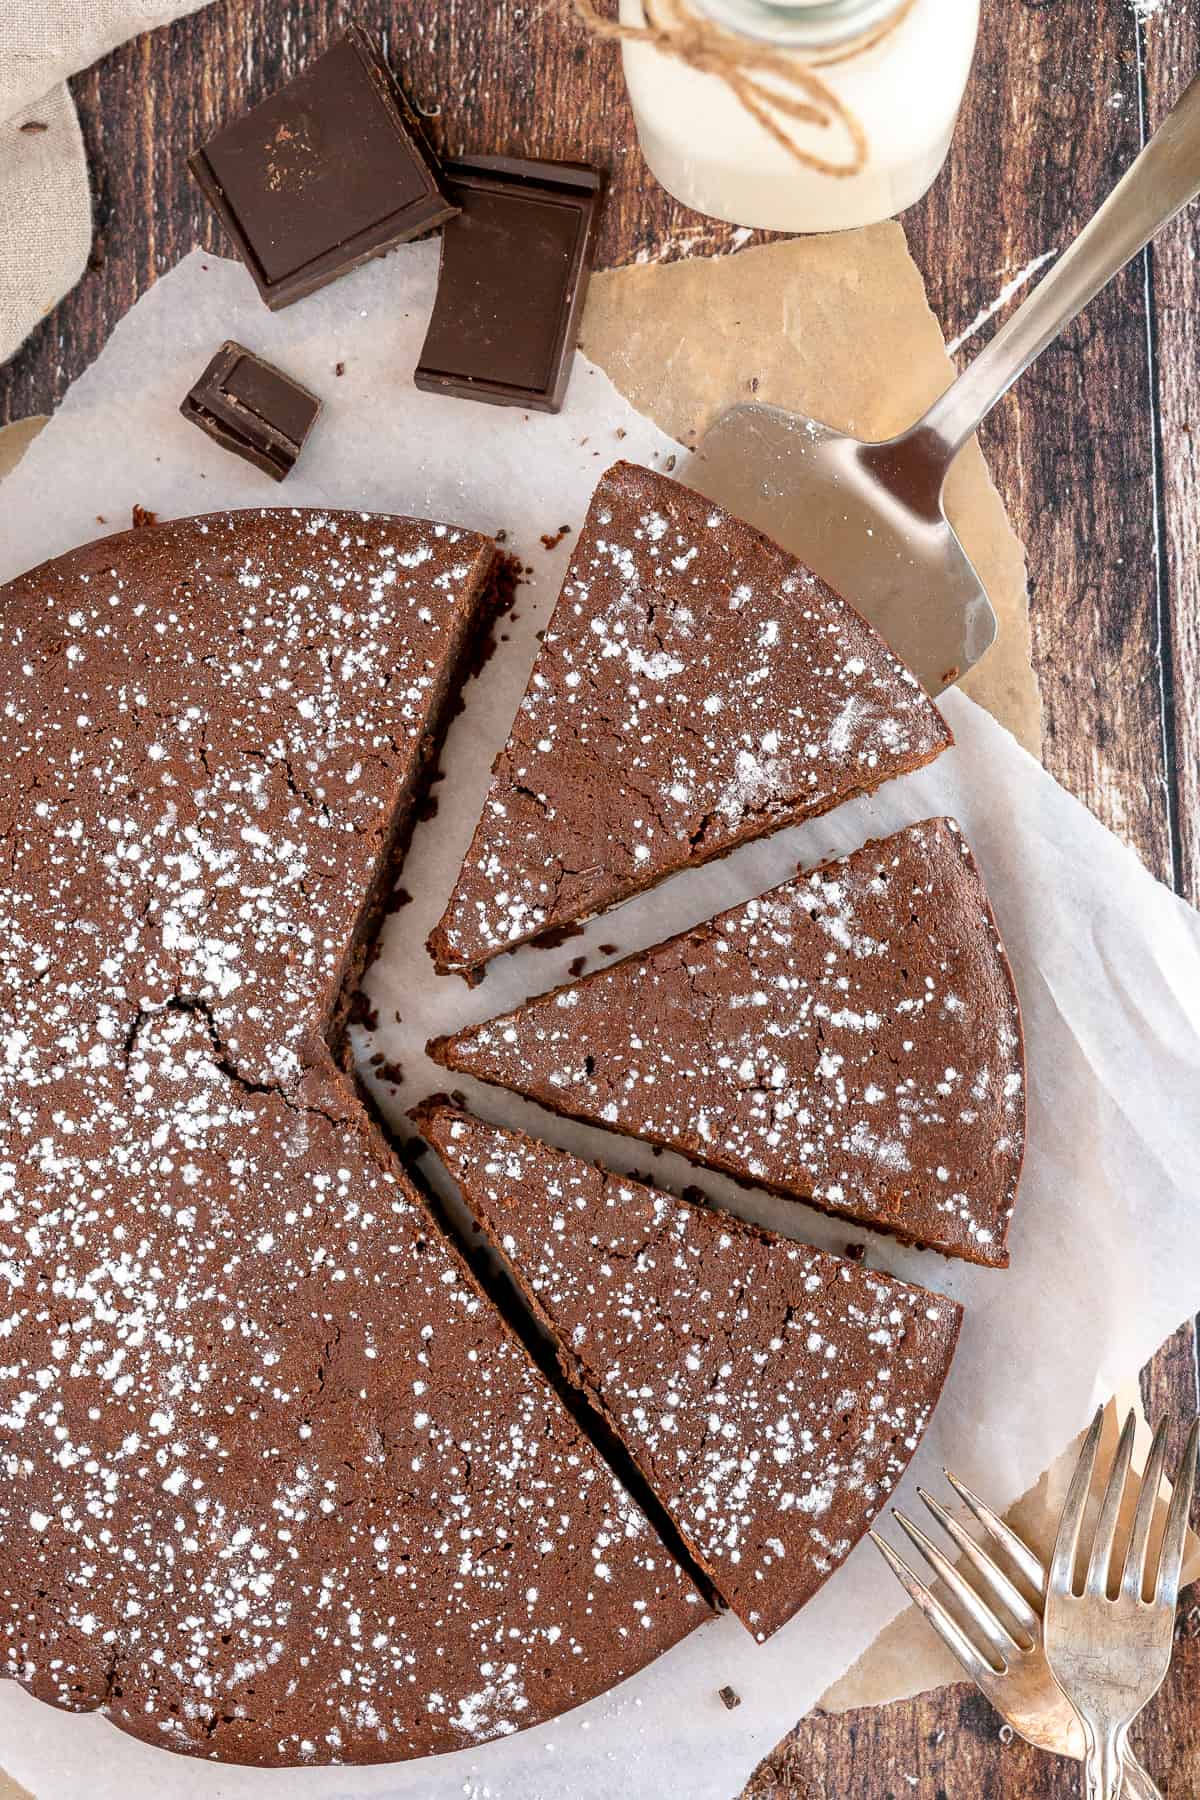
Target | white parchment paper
(1106,1250)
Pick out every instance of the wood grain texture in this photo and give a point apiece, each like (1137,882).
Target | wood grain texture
(1072,448)
(496,77)
(1171,58)
(952,1746)
(1095,454)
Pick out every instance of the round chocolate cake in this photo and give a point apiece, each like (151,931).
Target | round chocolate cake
(280,1486)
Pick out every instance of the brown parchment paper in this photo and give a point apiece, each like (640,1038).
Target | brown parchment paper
(15,439)
(838,328)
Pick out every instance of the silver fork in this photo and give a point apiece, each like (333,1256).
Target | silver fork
(1011,1669)
(1110,1656)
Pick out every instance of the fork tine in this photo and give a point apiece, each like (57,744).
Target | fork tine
(1174,1536)
(1133,1581)
(1066,1545)
(1032,1567)
(1000,1588)
(951,1634)
(1110,1512)
(999,1641)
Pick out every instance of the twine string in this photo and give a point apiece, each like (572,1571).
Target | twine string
(746,67)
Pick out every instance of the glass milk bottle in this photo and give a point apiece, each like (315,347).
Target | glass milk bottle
(887,78)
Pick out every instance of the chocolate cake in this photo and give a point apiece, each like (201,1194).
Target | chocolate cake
(697,687)
(851,1038)
(770,1394)
(280,1486)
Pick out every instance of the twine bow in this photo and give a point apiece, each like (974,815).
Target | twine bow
(746,67)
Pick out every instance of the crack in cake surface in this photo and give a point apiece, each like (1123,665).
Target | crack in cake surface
(249,1507)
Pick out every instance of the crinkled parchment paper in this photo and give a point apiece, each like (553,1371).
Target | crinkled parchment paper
(1106,1259)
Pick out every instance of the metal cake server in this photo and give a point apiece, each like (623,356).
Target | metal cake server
(869,518)
(996,1629)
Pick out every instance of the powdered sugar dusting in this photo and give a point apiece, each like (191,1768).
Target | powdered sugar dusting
(272,1464)
(852,1038)
(696,688)
(772,1394)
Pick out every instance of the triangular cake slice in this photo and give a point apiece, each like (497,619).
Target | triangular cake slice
(851,1038)
(770,1394)
(697,687)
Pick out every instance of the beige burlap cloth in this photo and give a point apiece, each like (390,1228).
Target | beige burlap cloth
(45,202)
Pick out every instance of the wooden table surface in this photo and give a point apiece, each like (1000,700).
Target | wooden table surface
(1094,454)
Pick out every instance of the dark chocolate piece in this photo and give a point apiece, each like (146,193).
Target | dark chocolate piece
(515,264)
(256,411)
(331,170)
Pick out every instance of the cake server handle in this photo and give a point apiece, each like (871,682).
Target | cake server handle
(1157,185)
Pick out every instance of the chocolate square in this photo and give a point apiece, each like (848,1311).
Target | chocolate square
(515,264)
(331,170)
(252,409)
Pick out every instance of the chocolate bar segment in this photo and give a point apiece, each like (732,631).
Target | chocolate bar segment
(331,170)
(515,264)
(252,409)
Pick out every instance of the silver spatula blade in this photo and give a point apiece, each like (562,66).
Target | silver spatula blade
(868,518)
(809,488)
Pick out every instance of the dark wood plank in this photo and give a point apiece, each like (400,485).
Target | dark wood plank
(953,1747)
(1072,447)
(1170,47)
(1172,57)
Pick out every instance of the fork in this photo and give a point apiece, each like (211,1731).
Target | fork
(1011,1670)
(1110,1656)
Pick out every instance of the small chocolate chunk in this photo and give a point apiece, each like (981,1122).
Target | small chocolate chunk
(331,170)
(515,264)
(254,410)
(729,1697)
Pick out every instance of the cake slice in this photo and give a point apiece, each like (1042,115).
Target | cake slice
(851,1038)
(770,1394)
(697,687)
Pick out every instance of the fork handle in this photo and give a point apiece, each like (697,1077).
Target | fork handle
(1138,1785)
(1104,1764)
